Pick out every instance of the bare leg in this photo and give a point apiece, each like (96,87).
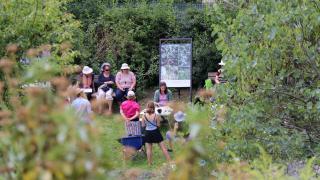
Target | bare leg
(149,153)
(170,144)
(164,151)
(109,103)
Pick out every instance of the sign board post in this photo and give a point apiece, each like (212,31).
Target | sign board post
(176,63)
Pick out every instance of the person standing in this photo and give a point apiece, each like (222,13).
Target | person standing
(125,81)
(130,111)
(152,134)
(106,80)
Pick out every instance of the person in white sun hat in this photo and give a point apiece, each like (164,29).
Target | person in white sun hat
(125,81)
(87,80)
(172,133)
(130,112)
(82,106)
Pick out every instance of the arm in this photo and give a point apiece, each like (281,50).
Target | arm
(135,116)
(134,82)
(175,128)
(170,98)
(89,110)
(100,81)
(123,115)
(118,82)
(158,120)
(111,80)
(143,122)
(156,96)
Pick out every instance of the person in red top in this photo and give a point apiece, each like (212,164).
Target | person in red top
(130,111)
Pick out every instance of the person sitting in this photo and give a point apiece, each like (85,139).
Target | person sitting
(87,81)
(105,82)
(82,106)
(152,134)
(125,81)
(163,95)
(130,111)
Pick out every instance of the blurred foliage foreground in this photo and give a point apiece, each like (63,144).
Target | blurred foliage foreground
(41,137)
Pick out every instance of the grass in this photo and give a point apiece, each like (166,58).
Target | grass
(111,129)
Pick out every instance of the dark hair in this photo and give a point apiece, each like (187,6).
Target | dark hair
(150,107)
(163,84)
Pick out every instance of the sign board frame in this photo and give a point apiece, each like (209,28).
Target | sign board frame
(177,83)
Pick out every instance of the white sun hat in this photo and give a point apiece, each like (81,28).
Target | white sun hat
(179,116)
(87,70)
(222,63)
(124,66)
(131,94)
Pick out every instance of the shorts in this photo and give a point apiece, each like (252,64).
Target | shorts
(105,95)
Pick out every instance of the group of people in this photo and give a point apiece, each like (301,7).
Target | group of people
(124,81)
(124,84)
(150,121)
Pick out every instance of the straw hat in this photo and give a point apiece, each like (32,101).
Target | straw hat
(124,66)
(179,116)
(87,70)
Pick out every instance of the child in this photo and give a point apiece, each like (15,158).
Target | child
(82,106)
(152,135)
(130,111)
(171,134)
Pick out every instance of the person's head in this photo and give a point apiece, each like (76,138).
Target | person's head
(179,121)
(105,68)
(87,70)
(150,107)
(125,68)
(163,87)
(80,93)
(131,95)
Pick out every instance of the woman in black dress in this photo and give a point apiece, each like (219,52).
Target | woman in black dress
(152,135)
(106,79)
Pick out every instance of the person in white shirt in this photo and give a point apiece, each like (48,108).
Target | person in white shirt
(82,106)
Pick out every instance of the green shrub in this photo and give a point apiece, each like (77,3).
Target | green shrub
(130,33)
(30,23)
(272,63)
(41,136)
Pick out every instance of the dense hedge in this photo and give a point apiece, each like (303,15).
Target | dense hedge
(130,33)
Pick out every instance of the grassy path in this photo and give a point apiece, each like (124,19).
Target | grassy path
(111,129)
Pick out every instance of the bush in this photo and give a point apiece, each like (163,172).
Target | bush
(130,33)
(41,137)
(30,23)
(272,63)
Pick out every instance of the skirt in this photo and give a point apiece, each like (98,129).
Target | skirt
(153,136)
(133,128)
